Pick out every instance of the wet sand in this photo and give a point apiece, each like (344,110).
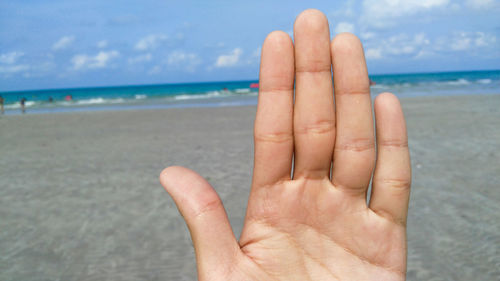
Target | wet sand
(80,197)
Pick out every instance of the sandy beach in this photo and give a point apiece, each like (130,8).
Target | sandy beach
(80,197)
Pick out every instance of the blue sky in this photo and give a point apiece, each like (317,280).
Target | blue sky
(58,44)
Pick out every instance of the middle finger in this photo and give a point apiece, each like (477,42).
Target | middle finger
(314,116)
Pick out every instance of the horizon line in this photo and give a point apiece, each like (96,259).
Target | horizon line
(218,81)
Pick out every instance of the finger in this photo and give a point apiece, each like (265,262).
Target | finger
(392,178)
(354,155)
(314,117)
(213,239)
(273,135)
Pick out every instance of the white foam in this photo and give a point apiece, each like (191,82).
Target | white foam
(18,105)
(140,97)
(96,101)
(484,81)
(199,96)
(243,91)
(458,82)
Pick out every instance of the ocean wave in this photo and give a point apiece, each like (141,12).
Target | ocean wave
(207,95)
(484,81)
(216,94)
(17,105)
(97,101)
(458,82)
(243,91)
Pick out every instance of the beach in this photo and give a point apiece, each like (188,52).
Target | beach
(80,197)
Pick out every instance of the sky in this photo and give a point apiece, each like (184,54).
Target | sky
(66,44)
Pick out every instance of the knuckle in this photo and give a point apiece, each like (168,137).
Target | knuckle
(316,127)
(357,144)
(397,183)
(276,137)
(402,143)
(210,204)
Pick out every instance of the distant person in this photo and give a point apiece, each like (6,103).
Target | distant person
(1,104)
(23,102)
(68,98)
(51,99)
(307,216)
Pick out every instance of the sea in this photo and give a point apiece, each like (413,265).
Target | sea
(233,93)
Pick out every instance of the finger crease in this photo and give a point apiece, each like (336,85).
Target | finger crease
(276,90)
(356,92)
(403,184)
(390,218)
(321,127)
(356,145)
(209,206)
(281,137)
(393,143)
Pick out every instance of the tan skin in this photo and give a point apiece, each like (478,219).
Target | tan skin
(315,224)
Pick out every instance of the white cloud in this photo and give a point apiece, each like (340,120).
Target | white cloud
(63,43)
(10,58)
(141,58)
(381,13)
(11,69)
(100,60)
(8,64)
(466,40)
(179,57)
(188,61)
(482,39)
(345,10)
(102,44)
(367,35)
(460,43)
(479,4)
(230,59)
(373,54)
(344,27)
(150,42)
(155,70)
(398,45)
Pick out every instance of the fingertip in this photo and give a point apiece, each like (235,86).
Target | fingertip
(169,174)
(277,63)
(181,182)
(386,99)
(309,23)
(345,43)
(311,19)
(277,38)
(202,209)
(388,109)
(277,47)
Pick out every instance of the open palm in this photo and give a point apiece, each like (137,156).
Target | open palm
(312,221)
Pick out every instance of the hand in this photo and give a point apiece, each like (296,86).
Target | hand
(316,224)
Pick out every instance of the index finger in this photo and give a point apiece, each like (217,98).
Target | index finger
(273,123)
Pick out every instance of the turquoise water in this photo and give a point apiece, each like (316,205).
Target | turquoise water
(235,92)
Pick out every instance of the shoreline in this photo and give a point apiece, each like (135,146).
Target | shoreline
(195,103)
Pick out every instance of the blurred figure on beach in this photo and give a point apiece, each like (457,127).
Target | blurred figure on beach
(23,102)
(1,105)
